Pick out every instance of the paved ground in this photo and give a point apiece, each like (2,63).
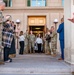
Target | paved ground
(35,64)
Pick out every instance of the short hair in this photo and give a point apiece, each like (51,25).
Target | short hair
(21,33)
(62,19)
(7,20)
(12,21)
(52,26)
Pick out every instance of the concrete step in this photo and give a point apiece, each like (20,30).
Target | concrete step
(35,65)
(36,74)
(41,71)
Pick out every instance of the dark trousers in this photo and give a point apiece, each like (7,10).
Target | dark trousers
(62,48)
(21,47)
(6,53)
(39,48)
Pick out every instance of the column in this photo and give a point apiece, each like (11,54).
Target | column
(2,5)
(1,49)
(69,31)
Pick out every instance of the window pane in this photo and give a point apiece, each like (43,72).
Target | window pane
(62,2)
(44,3)
(39,3)
(33,3)
(28,2)
(8,3)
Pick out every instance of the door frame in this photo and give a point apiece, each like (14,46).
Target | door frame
(38,25)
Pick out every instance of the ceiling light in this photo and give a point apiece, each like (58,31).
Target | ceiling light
(37,28)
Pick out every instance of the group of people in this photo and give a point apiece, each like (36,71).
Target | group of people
(33,43)
(51,40)
(46,43)
(30,43)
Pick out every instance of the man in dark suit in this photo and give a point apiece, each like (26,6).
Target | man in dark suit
(61,38)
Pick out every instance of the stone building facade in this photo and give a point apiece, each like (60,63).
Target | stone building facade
(31,14)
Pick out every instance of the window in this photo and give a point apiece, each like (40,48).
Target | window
(28,2)
(62,2)
(8,3)
(36,2)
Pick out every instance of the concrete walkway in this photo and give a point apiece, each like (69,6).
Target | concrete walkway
(35,64)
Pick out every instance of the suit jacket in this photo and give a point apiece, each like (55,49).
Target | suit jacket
(61,31)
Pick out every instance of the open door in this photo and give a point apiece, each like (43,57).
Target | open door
(37,30)
(37,24)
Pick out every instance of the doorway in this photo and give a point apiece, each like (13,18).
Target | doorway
(38,25)
(37,30)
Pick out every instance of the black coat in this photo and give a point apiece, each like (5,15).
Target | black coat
(13,49)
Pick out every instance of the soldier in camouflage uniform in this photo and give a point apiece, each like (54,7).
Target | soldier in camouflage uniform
(47,43)
(31,42)
(26,42)
(53,41)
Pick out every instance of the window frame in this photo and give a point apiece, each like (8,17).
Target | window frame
(8,3)
(29,3)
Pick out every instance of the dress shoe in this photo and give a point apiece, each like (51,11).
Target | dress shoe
(60,59)
(7,61)
(10,60)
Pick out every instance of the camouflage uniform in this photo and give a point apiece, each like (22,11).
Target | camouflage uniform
(31,42)
(47,45)
(53,42)
(26,42)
